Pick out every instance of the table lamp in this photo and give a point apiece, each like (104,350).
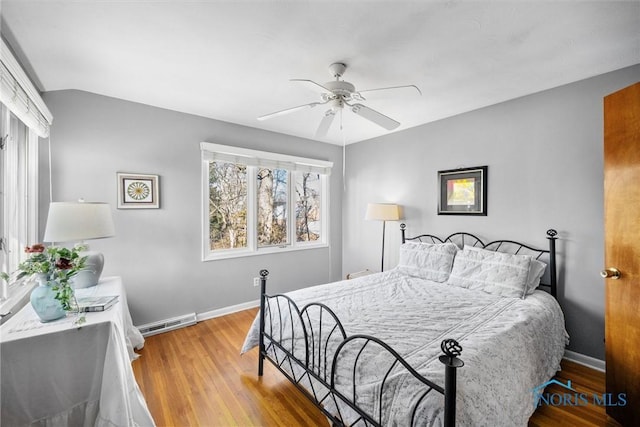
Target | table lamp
(382,212)
(77,222)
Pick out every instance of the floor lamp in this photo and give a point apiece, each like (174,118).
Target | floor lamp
(382,212)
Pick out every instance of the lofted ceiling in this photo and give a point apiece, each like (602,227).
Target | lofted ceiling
(232,60)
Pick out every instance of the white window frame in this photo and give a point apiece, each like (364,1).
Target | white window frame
(21,105)
(19,206)
(255,159)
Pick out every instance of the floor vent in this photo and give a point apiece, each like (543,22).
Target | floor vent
(168,325)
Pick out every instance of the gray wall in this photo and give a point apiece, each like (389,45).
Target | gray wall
(157,251)
(544,153)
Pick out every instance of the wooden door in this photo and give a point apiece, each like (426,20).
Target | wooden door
(622,251)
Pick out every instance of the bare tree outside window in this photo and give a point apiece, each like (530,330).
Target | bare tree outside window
(261,202)
(272,206)
(227,205)
(308,207)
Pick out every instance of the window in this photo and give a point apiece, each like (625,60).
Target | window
(308,207)
(259,202)
(23,118)
(18,182)
(227,212)
(273,196)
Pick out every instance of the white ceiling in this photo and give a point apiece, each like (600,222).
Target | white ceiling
(232,61)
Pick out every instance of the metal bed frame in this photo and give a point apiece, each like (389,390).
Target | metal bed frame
(313,369)
(462,238)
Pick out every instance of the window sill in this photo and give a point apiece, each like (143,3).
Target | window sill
(241,253)
(19,293)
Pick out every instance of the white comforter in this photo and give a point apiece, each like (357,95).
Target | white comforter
(510,345)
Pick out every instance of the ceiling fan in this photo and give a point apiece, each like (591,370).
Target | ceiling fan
(336,94)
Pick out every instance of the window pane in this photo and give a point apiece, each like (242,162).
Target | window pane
(227,205)
(308,207)
(272,206)
(14,191)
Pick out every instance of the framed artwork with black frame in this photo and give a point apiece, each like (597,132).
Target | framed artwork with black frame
(138,191)
(463,191)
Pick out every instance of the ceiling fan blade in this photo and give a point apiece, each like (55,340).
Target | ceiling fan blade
(316,87)
(410,89)
(374,116)
(325,124)
(289,110)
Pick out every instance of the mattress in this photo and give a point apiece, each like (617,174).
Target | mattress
(510,345)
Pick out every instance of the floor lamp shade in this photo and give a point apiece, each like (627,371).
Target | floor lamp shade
(76,222)
(383,212)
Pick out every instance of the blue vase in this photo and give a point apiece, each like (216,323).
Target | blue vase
(44,302)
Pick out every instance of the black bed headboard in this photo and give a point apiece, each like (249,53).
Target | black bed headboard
(510,246)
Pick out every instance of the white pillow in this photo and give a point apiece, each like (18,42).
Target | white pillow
(536,270)
(427,261)
(496,273)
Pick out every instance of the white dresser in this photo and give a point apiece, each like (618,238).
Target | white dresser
(63,374)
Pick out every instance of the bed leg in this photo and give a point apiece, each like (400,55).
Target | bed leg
(263,289)
(451,350)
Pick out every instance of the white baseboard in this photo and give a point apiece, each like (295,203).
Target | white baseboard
(227,310)
(591,362)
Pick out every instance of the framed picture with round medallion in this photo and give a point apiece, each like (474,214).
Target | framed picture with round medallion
(138,191)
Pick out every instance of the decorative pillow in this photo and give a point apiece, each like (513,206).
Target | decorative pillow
(496,273)
(427,261)
(536,270)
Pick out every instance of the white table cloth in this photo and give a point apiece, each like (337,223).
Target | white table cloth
(63,374)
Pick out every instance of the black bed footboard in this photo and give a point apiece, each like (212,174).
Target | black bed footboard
(311,348)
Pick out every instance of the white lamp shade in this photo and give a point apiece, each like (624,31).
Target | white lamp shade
(382,212)
(76,221)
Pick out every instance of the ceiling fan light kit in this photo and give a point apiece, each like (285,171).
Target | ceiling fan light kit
(338,93)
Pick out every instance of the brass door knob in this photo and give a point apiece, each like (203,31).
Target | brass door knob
(610,273)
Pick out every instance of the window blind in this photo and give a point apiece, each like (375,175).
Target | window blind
(223,153)
(20,96)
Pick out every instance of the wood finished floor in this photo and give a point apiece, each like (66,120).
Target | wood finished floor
(195,376)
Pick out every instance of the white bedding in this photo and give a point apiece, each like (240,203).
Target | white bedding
(510,345)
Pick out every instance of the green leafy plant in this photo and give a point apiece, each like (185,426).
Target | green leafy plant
(58,264)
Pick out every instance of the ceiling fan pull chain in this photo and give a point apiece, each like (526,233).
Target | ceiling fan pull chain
(344,155)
